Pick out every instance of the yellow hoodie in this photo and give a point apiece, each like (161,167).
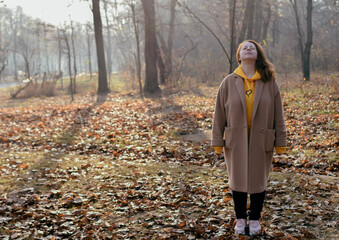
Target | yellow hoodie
(249,87)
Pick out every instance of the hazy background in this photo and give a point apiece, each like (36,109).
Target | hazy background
(33,33)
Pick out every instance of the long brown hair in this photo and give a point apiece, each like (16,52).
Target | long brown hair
(262,64)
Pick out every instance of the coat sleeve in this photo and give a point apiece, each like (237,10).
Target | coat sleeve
(279,121)
(219,119)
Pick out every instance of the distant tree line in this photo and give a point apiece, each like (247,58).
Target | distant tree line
(170,42)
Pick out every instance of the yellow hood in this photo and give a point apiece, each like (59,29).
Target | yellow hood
(241,73)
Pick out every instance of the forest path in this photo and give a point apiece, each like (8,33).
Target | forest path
(134,168)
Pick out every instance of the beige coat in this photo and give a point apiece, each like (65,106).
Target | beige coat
(248,160)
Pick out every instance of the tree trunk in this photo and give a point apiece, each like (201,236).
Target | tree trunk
(28,71)
(161,66)
(138,61)
(244,24)
(108,43)
(304,52)
(88,28)
(299,36)
(69,58)
(307,51)
(59,58)
(275,32)
(102,78)
(14,28)
(3,53)
(151,82)
(258,20)
(232,5)
(168,59)
(74,59)
(46,48)
(14,94)
(266,21)
(250,19)
(38,39)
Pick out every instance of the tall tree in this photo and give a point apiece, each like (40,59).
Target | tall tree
(99,40)
(151,82)
(75,70)
(305,52)
(309,41)
(167,47)
(233,64)
(246,31)
(108,42)
(137,39)
(16,25)
(3,52)
(46,29)
(89,52)
(69,58)
(250,19)
(258,20)
(27,47)
(60,57)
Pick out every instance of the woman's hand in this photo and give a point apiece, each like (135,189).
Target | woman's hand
(218,150)
(280,150)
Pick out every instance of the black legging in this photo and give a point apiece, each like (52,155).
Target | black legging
(240,204)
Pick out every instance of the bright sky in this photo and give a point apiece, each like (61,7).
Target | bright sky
(54,11)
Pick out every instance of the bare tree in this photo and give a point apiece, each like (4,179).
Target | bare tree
(181,31)
(108,42)
(249,18)
(165,60)
(305,51)
(137,39)
(99,40)
(246,31)
(309,41)
(161,64)
(151,82)
(232,5)
(69,58)
(46,29)
(266,20)
(60,57)
(185,7)
(27,50)
(89,52)
(15,23)
(74,58)
(3,53)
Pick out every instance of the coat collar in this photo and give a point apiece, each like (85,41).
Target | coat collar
(258,90)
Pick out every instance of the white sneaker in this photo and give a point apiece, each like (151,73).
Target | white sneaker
(255,227)
(240,226)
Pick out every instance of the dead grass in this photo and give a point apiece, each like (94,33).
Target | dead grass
(86,173)
(17,169)
(74,173)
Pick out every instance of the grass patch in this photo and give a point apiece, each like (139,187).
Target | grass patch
(84,84)
(65,138)
(333,157)
(16,170)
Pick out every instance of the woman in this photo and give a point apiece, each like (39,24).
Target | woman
(248,123)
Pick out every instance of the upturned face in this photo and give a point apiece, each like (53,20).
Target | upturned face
(248,51)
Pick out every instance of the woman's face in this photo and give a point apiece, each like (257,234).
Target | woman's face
(248,51)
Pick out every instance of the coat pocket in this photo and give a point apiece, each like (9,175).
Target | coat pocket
(269,140)
(228,138)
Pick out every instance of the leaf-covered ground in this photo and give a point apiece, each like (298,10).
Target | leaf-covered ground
(122,170)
